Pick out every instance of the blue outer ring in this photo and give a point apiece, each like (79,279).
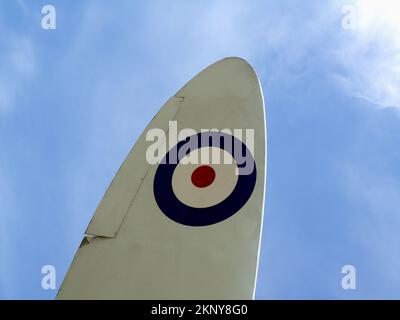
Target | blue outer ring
(179,212)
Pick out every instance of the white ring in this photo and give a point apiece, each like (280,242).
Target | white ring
(223,185)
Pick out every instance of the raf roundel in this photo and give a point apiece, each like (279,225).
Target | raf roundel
(195,192)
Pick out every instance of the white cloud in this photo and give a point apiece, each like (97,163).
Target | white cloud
(371,53)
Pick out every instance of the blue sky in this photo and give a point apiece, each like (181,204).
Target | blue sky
(73,101)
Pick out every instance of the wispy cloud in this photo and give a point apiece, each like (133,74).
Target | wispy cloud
(18,64)
(370,53)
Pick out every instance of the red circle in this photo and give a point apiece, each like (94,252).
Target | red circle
(203,176)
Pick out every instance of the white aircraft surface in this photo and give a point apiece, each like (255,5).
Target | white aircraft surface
(177,229)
